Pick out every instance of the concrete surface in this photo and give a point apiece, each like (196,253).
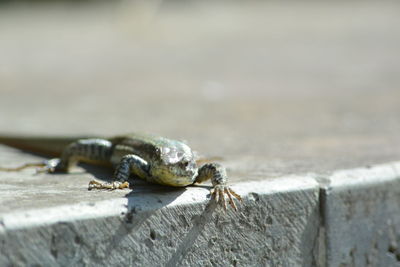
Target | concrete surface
(150,229)
(361,215)
(276,89)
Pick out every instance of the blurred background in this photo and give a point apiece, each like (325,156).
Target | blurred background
(280,81)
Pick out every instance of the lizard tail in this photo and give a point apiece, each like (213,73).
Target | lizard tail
(46,146)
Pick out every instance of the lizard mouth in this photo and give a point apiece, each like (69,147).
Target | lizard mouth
(187,173)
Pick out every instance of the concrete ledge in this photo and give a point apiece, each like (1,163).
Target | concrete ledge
(361,210)
(349,218)
(277,225)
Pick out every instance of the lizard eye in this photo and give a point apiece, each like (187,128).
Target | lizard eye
(185,164)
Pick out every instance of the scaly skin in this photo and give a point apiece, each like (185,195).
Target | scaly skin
(154,159)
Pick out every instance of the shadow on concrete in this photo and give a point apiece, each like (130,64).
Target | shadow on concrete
(146,201)
(189,239)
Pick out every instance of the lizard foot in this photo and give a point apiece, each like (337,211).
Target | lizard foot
(219,193)
(109,186)
(49,166)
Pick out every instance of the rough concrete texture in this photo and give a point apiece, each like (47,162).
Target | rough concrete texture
(277,225)
(275,89)
(361,215)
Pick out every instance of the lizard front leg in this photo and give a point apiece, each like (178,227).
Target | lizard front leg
(217,174)
(129,164)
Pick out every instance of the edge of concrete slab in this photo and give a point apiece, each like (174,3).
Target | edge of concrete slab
(277,224)
(144,202)
(282,221)
(360,216)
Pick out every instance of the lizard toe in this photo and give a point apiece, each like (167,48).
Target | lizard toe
(221,192)
(108,186)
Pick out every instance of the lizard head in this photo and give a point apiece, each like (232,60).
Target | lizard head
(176,164)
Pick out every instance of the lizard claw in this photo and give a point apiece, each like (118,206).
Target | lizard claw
(27,165)
(109,186)
(49,166)
(219,193)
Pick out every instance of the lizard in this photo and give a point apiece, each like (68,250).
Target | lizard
(152,158)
